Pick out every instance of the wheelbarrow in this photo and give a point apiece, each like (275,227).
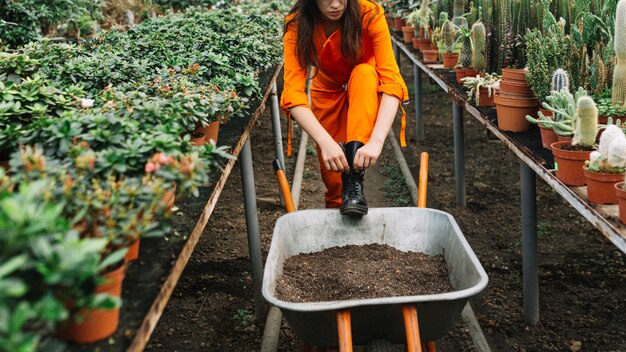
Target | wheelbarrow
(395,319)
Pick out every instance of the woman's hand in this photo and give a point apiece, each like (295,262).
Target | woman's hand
(333,156)
(367,155)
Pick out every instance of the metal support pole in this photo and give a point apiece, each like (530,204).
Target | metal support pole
(252,222)
(278,139)
(417,84)
(459,153)
(396,53)
(529,244)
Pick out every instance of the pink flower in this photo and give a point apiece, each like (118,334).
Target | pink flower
(151,167)
(163,159)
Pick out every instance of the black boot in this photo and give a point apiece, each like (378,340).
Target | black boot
(352,198)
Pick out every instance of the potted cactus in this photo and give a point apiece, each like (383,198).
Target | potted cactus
(482,88)
(448,35)
(570,156)
(605,166)
(560,83)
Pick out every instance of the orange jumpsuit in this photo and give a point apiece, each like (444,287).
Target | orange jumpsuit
(345,97)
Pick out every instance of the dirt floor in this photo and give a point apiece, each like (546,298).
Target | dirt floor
(582,276)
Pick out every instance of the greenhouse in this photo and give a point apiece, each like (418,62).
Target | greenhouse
(312,175)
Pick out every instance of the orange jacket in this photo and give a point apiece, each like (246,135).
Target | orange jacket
(377,51)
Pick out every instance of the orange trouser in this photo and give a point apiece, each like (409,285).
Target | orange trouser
(346,114)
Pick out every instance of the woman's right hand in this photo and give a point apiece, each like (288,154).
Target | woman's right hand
(333,156)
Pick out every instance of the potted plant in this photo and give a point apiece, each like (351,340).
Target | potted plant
(482,88)
(465,56)
(448,34)
(560,83)
(605,166)
(46,268)
(570,156)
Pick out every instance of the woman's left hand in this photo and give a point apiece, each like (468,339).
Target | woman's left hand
(367,155)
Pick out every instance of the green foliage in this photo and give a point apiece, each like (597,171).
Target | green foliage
(18,25)
(546,54)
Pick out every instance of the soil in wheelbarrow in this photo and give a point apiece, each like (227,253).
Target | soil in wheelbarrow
(361,272)
(582,275)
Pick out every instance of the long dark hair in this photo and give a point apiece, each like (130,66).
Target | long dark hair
(307,15)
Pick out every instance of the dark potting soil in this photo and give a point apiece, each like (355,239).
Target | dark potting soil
(577,148)
(360,272)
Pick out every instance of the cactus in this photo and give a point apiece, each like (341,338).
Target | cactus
(617,152)
(459,10)
(598,74)
(560,80)
(448,34)
(465,57)
(586,122)
(479,52)
(619,44)
(611,132)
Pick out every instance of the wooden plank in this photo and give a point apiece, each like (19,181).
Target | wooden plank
(604,217)
(156,310)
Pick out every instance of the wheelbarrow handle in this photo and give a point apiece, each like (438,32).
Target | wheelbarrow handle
(284,186)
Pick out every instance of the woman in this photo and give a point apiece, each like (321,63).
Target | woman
(355,93)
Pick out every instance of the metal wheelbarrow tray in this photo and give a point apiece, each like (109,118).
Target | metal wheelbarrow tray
(423,230)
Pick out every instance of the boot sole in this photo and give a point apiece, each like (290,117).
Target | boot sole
(353,210)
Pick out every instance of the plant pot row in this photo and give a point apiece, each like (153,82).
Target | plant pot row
(602,188)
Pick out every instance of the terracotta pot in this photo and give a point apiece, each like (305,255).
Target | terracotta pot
(515,87)
(197,139)
(514,74)
(548,136)
(398,23)
(512,113)
(601,187)
(169,196)
(389,20)
(95,324)
(563,138)
(434,46)
(133,252)
(471,72)
(407,34)
(547,113)
(416,43)
(569,164)
(430,56)
(603,119)
(210,131)
(621,200)
(424,44)
(484,99)
(460,74)
(449,60)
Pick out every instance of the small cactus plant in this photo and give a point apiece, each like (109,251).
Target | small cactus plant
(616,158)
(619,43)
(586,123)
(560,80)
(448,34)
(479,51)
(465,57)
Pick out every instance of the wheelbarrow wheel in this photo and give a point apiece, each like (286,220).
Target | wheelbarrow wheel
(381,346)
